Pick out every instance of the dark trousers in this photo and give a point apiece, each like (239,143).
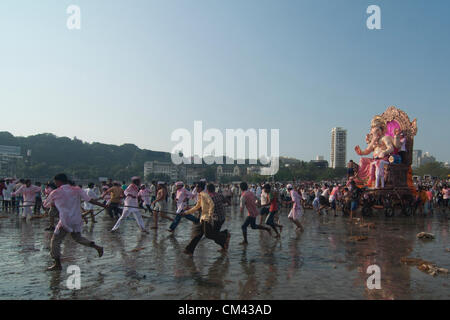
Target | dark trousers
(218,224)
(6,204)
(38,205)
(270,219)
(403,154)
(209,231)
(114,210)
(178,217)
(250,221)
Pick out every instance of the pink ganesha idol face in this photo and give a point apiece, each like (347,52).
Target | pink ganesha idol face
(376,132)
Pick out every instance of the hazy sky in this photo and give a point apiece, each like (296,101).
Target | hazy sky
(137,70)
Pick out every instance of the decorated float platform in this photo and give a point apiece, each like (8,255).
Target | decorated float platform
(390,141)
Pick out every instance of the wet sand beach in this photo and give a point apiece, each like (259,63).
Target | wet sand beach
(320,263)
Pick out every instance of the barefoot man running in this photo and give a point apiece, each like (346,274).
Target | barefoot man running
(206,226)
(67,200)
(248,199)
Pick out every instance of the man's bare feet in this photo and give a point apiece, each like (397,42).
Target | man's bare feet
(244,243)
(187,252)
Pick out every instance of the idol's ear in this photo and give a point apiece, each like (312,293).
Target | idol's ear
(414,127)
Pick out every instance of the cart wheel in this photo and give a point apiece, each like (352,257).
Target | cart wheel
(389,212)
(408,211)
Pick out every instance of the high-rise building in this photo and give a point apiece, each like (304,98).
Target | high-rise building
(426,158)
(338,147)
(416,156)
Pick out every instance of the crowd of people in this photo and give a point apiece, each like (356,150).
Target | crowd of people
(69,206)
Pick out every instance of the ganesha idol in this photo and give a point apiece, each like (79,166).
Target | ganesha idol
(390,141)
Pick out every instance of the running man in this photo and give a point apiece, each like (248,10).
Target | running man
(131,205)
(182,198)
(89,207)
(206,226)
(248,199)
(144,196)
(67,200)
(272,209)
(160,204)
(113,196)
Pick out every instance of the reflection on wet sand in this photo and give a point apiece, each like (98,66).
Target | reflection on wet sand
(321,263)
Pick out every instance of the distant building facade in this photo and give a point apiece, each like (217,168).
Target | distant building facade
(187,173)
(338,147)
(9,156)
(190,173)
(228,171)
(319,163)
(161,168)
(253,170)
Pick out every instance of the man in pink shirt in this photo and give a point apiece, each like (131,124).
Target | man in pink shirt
(144,196)
(248,199)
(28,192)
(67,200)
(182,196)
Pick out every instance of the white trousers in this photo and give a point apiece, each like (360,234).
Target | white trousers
(379,179)
(137,216)
(27,210)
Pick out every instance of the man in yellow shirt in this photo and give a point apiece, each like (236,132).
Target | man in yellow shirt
(116,196)
(206,227)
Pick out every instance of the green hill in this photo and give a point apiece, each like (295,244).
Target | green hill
(51,154)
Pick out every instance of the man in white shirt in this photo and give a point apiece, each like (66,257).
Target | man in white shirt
(131,205)
(7,192)
(67,199)
(153,191)
(28,192)
(89,207)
